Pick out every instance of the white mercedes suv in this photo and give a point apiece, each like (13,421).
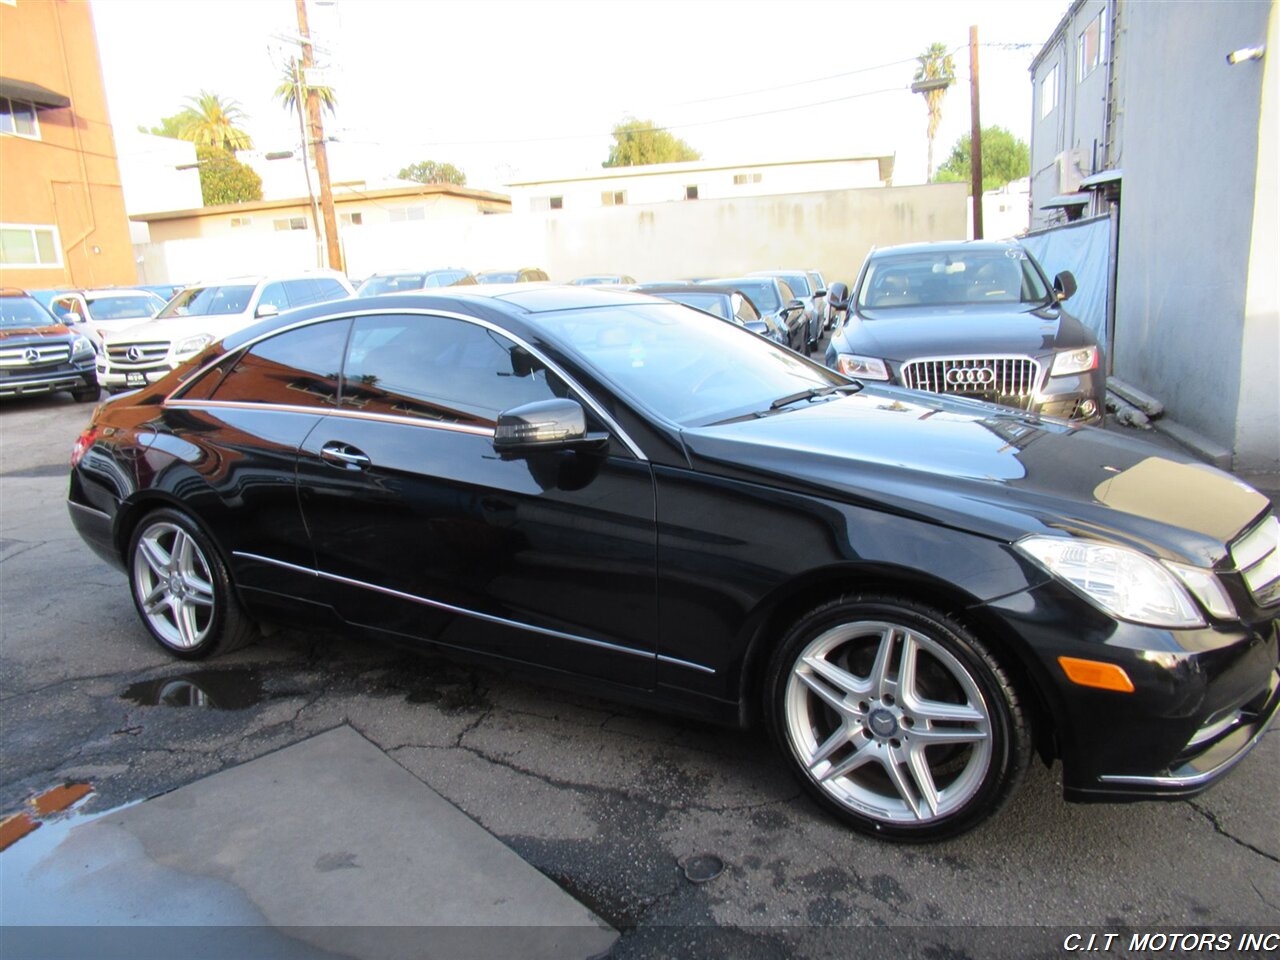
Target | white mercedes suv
(203,313)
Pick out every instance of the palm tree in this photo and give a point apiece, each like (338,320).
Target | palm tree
(210,121)
(293,90)
(935,65)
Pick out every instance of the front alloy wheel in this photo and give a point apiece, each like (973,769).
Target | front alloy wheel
(897,718)
(181,589)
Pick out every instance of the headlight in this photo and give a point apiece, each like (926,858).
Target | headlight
(1074,361)
(865,368)
(80,346)
(192,345)
(1121,581)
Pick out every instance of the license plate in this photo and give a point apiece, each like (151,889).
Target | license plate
(135,379)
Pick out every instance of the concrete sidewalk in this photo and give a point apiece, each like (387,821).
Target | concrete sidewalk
(327,848)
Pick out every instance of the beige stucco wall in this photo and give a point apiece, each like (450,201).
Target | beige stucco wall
(831,231)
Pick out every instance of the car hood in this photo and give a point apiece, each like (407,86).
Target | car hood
(177,328)
(905,333)
(985,469)
(14,337)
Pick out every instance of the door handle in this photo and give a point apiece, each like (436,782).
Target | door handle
(344,455)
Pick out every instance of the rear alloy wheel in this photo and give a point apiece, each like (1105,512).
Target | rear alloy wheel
(896,718)
(181,589)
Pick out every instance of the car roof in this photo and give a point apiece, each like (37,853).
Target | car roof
(692,288)
(946,246)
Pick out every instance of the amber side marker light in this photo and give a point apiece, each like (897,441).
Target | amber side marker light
(1092,673)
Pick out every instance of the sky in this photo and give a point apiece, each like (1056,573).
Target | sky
(510,91)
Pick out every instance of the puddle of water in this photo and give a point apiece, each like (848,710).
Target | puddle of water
(226,689)
(15,827)
(60,798)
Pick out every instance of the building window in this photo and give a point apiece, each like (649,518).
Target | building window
(691,192)
(28,245)
(242,222)
(1049,92)
(557,203)
(613,198)
(740,178)
(352,219)
(403,214)
(543,204)
(18,117)
(1090,48)
(290,223)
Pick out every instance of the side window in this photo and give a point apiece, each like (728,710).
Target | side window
(746,312)
(330,290)
(297,368)
(302,292)
(440,369)
(787,294)
(274,293)
(64,305)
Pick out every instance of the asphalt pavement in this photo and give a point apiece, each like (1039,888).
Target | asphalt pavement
(687,839)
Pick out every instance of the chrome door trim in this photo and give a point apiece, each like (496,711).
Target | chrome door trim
(325,412)
(175,398)
(463,611)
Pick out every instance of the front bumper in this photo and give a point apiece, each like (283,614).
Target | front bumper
(1202,698)
(75,374)
(115,378)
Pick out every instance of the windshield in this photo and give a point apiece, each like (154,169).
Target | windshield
(392,283)
(687,367)
(799,283)
(710,302)
(763,293)
(17,313)
(498,277)
(950,278)
(206,301)
(124,308)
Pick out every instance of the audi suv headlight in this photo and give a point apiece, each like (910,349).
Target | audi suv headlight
(864,368)
(1074,361)
(1130,585)
(192,345)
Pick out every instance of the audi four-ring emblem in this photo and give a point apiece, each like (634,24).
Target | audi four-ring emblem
(971,376)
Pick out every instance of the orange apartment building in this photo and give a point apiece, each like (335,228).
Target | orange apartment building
(62,217)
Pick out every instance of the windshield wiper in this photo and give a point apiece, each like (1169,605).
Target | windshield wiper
(813,392)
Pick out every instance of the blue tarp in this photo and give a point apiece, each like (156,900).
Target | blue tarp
(1083,248)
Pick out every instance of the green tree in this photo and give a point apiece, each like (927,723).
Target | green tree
(224,179)
(935,64)
(169,126)
(210,121)
(638,143)
(293,90)
(1004,158)
(428,171)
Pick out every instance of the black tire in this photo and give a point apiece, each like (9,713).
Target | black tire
(181,588)
(910,763)
(85,394)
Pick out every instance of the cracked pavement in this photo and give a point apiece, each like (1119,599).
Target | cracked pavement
(603,799)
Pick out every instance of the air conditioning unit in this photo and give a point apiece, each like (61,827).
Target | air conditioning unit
(1070,172)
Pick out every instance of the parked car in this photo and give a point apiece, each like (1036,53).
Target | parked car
(402,281)
(727,303)
(773,297)
(914,592)
(811,296)
(39,353)
(97,313)
(825,310)
(523,275)
(974,319)
(203,313)
(611,279)
(165,291)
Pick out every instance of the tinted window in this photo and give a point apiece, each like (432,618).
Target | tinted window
(391,283)
(763,293)
(444,278)
(799,283)
(511,277)
(303,293)
(710,302)
(681,364)
(950,277)
(297,368)
(124,308)
(787,293)
(745,311)
(440,369)
(209,301)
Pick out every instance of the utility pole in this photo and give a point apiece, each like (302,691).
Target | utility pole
(975,135)
(299,86)
(317,143)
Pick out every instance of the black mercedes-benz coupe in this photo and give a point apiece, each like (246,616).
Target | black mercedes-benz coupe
(914,593)
(973,319)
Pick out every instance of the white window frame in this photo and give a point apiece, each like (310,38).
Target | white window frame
(613,198)
(35,119)
(1081,72)
(350,219)
(1045,84)
(291,221)
(33,227)
(241,221)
